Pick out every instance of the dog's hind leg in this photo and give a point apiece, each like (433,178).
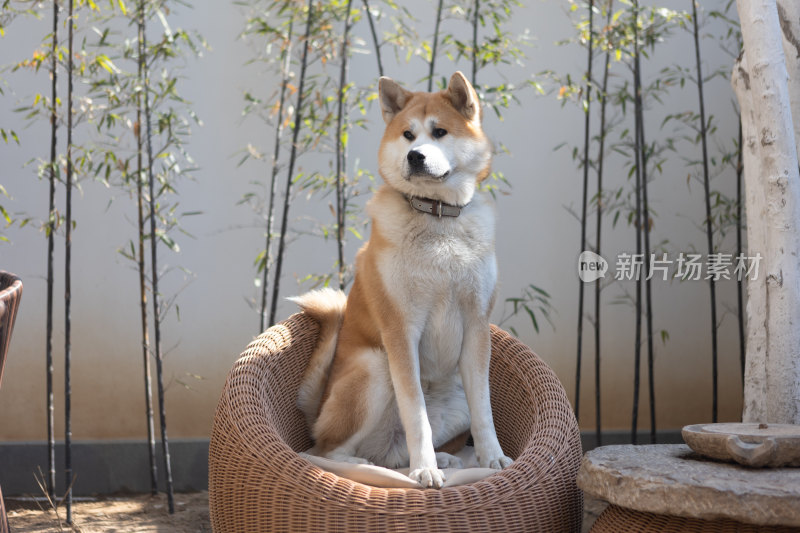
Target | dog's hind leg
(344,455)
(445,460)
(446,453)
(355,405)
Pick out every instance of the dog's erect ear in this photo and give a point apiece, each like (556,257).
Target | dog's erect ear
(463,97)
(393,98)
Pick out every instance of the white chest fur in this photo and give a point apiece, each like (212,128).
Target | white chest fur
(440,272)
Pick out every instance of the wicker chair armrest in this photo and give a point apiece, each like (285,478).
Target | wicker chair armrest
(10,295)
(534,419)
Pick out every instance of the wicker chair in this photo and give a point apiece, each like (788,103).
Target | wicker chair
(10,294)
(258,482)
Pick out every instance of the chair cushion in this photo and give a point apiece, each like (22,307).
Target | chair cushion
(378,476)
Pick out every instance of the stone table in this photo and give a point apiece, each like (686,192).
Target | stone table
(671,480)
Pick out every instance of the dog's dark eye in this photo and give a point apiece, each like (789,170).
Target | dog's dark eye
(439,132)
(408,135)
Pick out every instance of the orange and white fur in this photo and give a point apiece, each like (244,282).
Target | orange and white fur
(402,365)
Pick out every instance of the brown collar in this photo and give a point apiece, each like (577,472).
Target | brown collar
(436,208)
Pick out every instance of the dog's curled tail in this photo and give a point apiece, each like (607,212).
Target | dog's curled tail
(326,306)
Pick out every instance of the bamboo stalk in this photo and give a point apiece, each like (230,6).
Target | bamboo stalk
(273,186)
(148,385)
(646,235)
(740,281)
(374,37)
(475,19)
(709,228)
(597,287)
(341,151)
(52,222)
(154,261)
(435,45)
(584,201)
(68,284)
(292,158)
(638,225)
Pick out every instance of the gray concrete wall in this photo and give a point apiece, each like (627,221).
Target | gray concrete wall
(103,467)
(537,242)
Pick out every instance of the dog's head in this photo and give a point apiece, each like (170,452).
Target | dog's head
(433,146)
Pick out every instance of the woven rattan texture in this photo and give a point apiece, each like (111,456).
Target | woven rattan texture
(258,483)
(617,519)
(10,294)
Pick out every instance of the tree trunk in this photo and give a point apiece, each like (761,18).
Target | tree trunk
(638,221)
(273,183)
(603,98)
(772,181)
(68,283)
(374,34)
(434,46)
(739,252)
(153,211)
(475,20)
(341,149)
(287,195)
(789,18)
(141,267)
(584,201)
(52,224)
(645,221)
(756,344)
(709,216)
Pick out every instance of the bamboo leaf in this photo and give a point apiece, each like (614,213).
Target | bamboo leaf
(166,239)
(104,61)
(355,232)
(540,291)
(533,318)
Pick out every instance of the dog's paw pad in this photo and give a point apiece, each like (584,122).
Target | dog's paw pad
(428,477)
(500,462)
(445,460)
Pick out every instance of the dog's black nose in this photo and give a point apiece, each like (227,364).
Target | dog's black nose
(415,158)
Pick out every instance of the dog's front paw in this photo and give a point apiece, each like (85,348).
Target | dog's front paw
(428,477)
(497,463)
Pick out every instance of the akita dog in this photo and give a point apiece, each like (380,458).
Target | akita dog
(402,364)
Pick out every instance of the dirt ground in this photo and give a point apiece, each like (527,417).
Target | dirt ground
(124,514)
(145,513)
